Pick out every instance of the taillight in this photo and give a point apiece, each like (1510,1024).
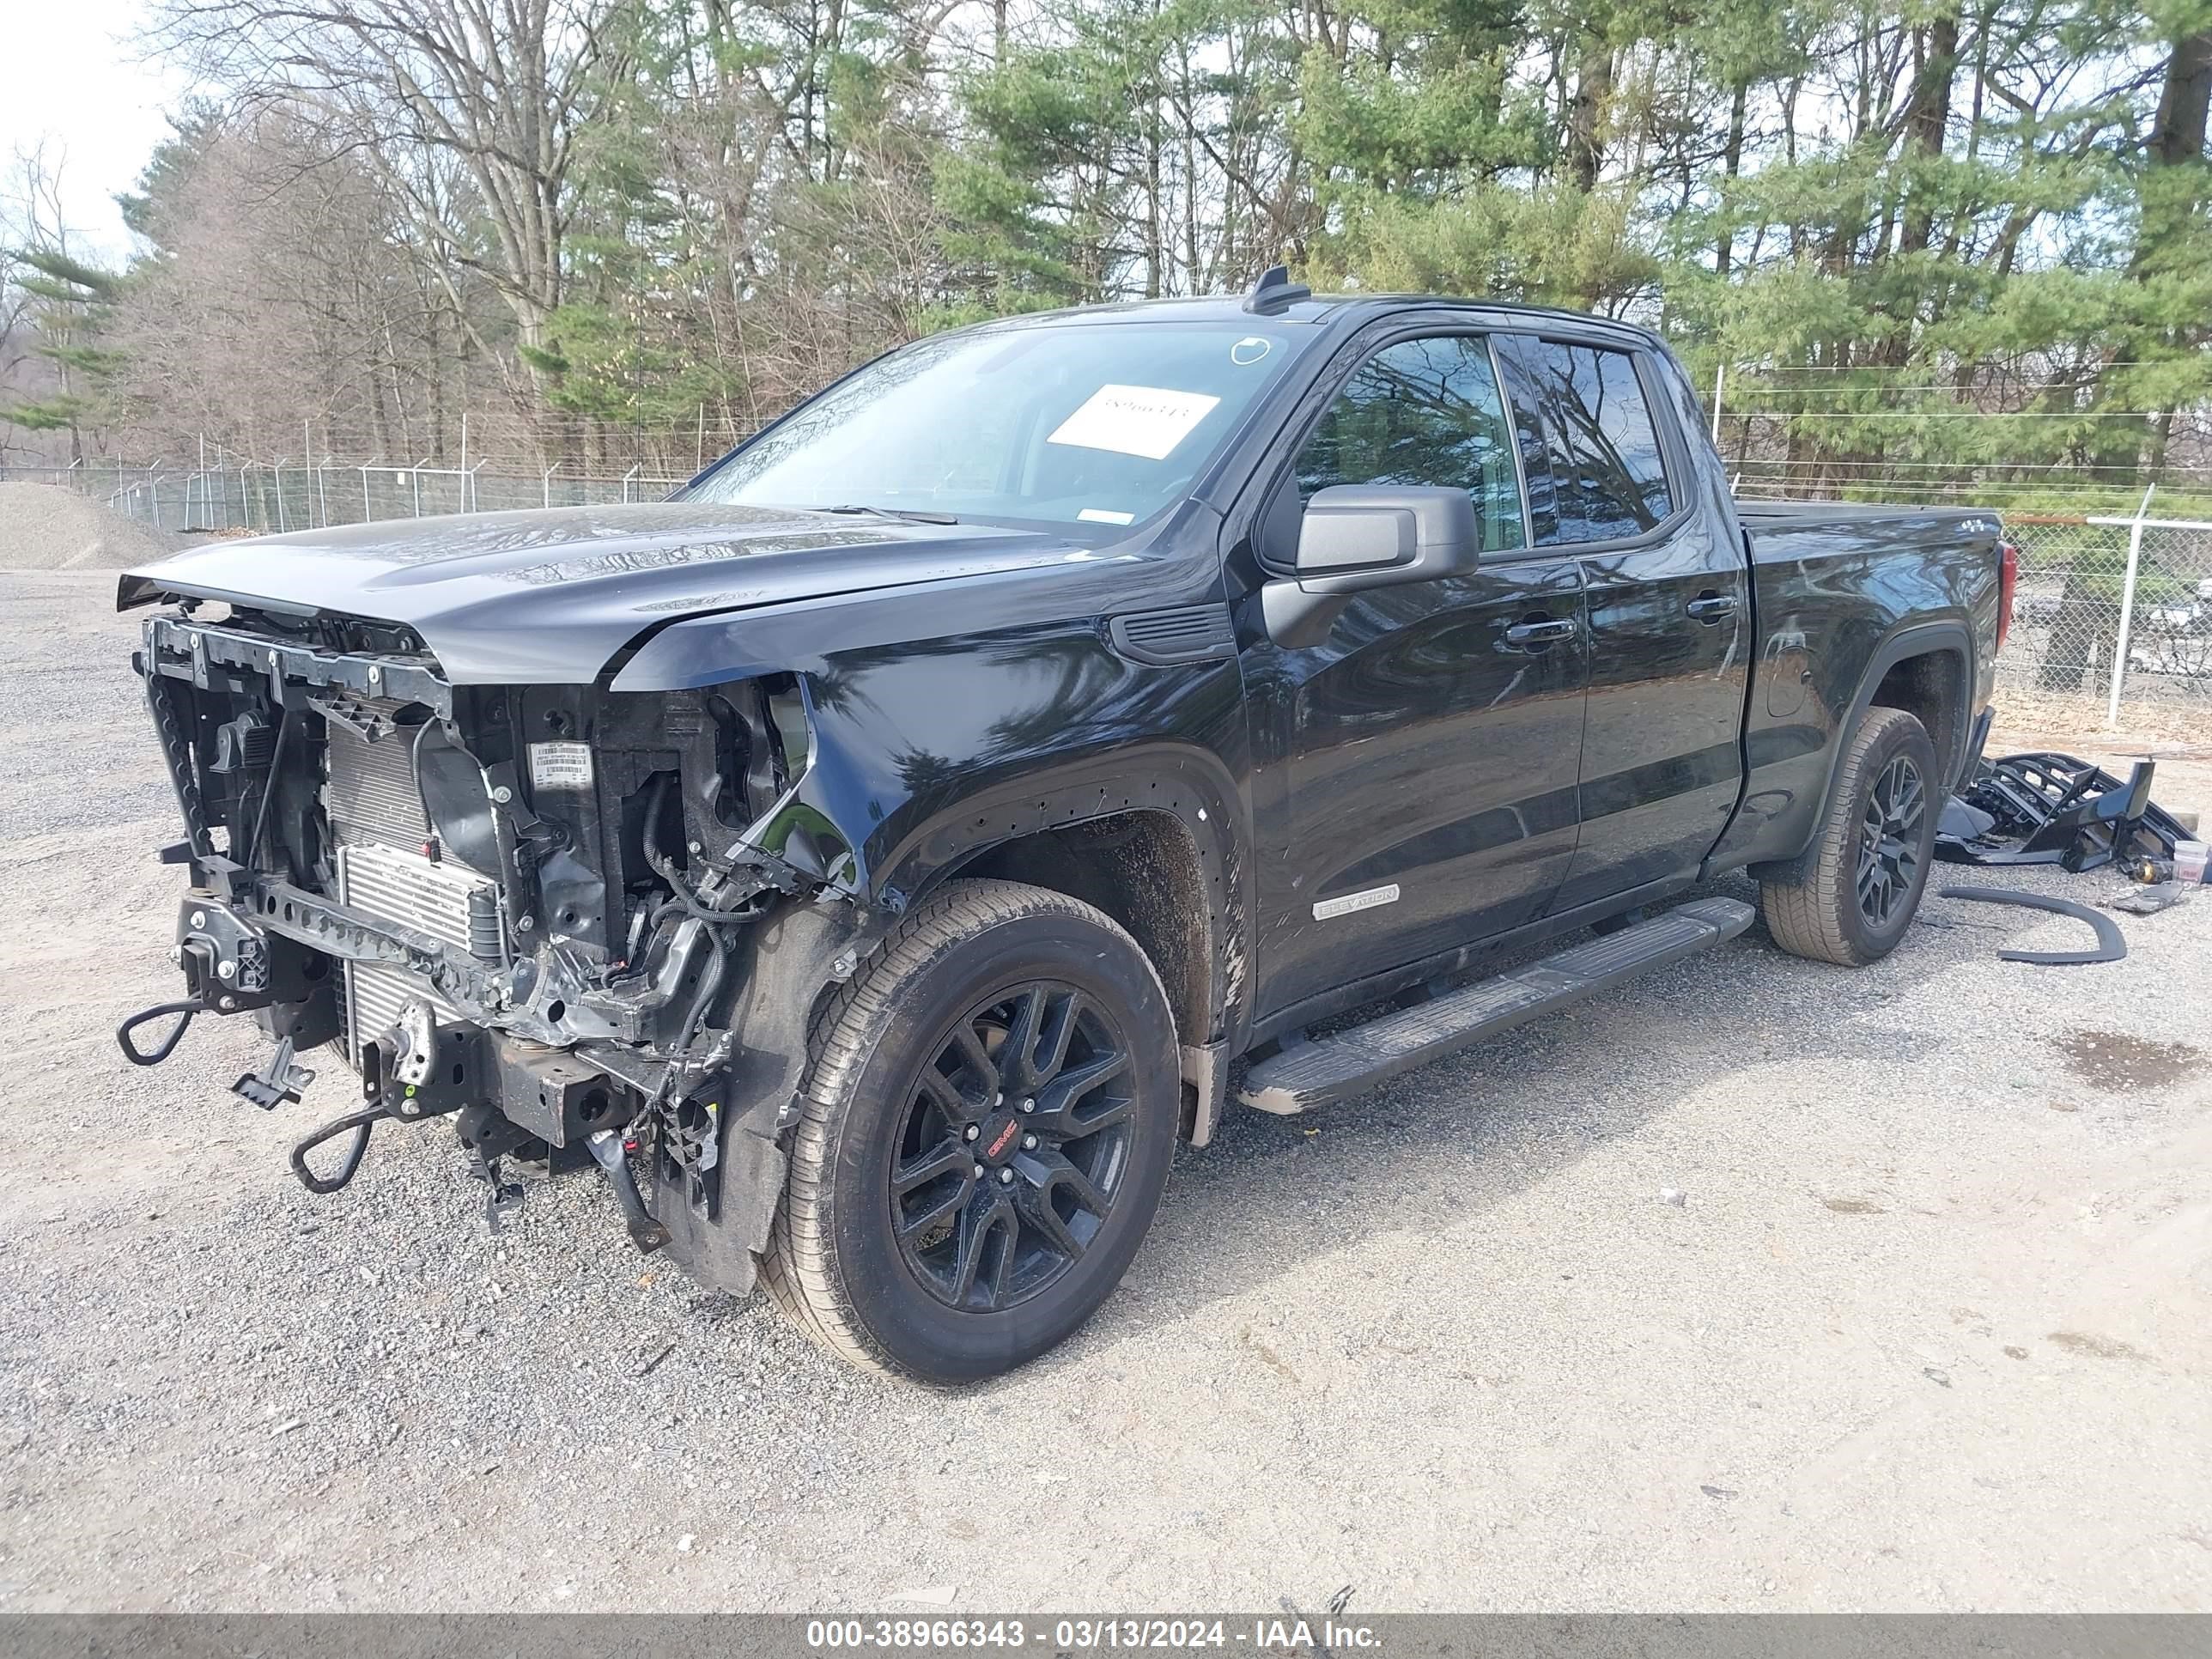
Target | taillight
(2007,584)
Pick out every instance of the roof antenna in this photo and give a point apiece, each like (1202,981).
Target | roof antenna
(1276,292)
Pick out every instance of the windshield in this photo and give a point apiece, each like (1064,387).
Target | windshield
(1100,424)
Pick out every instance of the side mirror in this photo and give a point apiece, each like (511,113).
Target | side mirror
(1355,536)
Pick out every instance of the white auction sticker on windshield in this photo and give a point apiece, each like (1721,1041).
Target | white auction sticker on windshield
(1135,420)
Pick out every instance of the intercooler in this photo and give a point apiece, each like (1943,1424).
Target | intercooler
(382,838)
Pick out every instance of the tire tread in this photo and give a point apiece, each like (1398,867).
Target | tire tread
(1806,917)
(800,1269)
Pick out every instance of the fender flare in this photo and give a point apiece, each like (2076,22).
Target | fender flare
(1947,636)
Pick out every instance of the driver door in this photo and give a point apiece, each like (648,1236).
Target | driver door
(1424,755)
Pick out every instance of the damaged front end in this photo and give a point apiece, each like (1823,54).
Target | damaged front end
(579,921)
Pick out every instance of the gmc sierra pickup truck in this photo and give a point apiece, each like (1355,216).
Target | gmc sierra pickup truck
(875,857)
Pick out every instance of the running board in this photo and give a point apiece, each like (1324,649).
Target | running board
(1353,1061)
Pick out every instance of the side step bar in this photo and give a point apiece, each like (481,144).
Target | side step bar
(1354,1060)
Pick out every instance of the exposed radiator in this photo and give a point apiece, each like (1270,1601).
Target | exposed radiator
(378,823)
(373,795)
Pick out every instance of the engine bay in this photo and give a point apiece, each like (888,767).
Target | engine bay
(534,908)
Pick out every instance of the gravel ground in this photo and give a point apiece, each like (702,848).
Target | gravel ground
(1929,1330)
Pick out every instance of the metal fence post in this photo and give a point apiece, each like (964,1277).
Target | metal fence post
(2127,609)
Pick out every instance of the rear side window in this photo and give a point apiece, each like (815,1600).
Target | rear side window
(1608,471)
(1423,412)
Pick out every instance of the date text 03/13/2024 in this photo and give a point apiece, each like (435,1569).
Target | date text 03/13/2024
(1088,1635)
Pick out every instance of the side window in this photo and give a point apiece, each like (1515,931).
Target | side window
(1423,412)
(1606,465)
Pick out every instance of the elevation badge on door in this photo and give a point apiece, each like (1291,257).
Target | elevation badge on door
(1366,900)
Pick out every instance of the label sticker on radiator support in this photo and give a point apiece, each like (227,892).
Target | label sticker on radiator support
(560,765)
(1324,909)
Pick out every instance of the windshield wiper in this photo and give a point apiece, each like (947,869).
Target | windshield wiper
(908,514)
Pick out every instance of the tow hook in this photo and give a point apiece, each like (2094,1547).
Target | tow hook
(359,1124)
(154,1056)
(606,1147)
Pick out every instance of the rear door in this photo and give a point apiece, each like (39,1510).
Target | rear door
(1423,756)
(1668,605)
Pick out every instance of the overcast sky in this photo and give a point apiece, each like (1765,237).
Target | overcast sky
(69,75)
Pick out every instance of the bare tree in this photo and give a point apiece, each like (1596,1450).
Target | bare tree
(285,312)
(469,110)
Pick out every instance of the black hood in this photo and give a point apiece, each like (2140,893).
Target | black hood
(549,597)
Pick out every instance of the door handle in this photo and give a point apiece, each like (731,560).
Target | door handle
(1535,634)
(1711,607)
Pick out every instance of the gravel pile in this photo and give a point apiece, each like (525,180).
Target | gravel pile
(45,528)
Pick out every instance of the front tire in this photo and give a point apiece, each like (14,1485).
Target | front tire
(984,1138)
(1877,841)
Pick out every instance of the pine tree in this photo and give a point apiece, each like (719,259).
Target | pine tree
(71,304)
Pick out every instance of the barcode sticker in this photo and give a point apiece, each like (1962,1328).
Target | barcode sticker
(560,765)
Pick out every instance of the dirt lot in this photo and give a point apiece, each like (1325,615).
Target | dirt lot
(1933,1328)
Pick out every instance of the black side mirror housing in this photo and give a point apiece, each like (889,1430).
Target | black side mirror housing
(1355,536)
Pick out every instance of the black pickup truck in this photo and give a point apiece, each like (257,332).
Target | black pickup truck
(878,855)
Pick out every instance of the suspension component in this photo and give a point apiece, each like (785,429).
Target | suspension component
(487,1136)
(648,1234)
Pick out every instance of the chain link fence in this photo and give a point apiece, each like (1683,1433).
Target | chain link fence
(2112,608)
(268,498)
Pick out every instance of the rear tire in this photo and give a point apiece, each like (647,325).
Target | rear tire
(1876,842)
(1004,1030)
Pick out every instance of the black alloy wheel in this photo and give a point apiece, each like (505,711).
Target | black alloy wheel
(1852,895)
(1890,856)
(1014,1147)
(986,1130)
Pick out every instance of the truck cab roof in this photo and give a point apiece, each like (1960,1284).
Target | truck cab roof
(1339,312)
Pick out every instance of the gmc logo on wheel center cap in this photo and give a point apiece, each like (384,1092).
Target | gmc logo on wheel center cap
(1003,1140)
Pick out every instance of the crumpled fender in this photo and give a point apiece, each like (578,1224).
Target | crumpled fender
(949,719)
(908,779)
(904,784)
